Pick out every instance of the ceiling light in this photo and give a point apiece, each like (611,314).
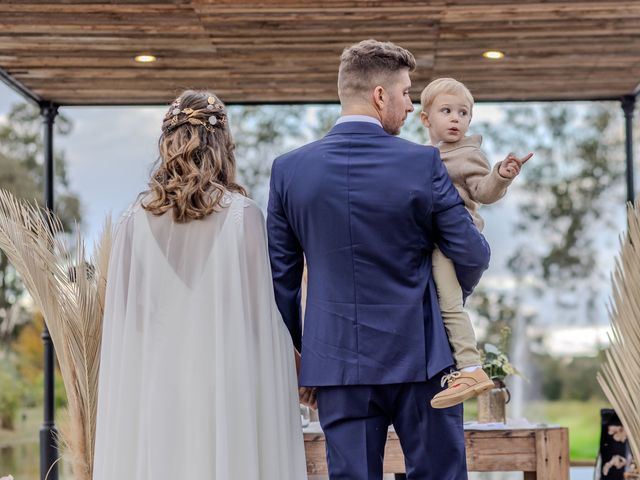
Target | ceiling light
(145,58)
(493,54)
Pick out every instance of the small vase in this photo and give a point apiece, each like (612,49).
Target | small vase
(492,404)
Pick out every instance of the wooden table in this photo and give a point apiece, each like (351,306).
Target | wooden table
(541,452)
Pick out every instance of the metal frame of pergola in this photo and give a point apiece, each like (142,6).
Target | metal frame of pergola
(49,111)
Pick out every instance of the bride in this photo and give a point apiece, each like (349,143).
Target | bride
(197,375)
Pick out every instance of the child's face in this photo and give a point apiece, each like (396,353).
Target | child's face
(447,119)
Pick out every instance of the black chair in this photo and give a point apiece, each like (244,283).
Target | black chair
(614,457)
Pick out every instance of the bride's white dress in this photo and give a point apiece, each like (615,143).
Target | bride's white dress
(197,375)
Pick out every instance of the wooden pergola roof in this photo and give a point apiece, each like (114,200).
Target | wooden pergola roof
(79,53)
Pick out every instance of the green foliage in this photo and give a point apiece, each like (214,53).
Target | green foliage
(496,363)
(413,128)
(11,392)
(22,154)
(262,132)
(568,379)
(29,349)
(22,173)
(569,187)
(565,199)
(582,418)
(498,310)
(36,392)
(495,360)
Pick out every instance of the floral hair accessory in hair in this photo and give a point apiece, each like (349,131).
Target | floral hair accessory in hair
(211,109)
(176,107)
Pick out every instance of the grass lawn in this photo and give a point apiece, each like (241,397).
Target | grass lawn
(20,451)
(581,418)
(19,448)
(27,428)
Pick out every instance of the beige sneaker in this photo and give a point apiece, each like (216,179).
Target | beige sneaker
(462,385)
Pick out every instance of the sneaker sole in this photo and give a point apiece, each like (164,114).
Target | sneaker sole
(447,402)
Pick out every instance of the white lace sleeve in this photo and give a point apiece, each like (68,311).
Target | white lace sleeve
(129,211)
(238,204)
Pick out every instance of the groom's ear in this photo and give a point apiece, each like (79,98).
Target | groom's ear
(379,97)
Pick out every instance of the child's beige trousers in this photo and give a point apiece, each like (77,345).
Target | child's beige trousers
(456,320)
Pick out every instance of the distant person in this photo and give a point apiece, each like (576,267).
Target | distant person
(197,374)
(366,209)
(447,107)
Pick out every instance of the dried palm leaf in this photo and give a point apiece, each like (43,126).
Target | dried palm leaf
(619,376)
(70,292)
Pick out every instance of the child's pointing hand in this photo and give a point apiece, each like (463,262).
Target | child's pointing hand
(510,166)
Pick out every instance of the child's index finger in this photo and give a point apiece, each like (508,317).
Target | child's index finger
(526,157)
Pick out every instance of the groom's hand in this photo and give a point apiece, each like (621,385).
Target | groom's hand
(298,359)
(308,397)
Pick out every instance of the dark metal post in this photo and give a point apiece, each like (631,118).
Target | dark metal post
(628,106)
(48,433)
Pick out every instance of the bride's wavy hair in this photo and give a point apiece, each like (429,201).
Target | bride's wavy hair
(196,165)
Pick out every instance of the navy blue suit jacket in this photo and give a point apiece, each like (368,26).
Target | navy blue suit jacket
(366,208)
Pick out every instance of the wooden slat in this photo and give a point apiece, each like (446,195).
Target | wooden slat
(271,50)
(250,80)
(500,452)
(543,452)
(553,453)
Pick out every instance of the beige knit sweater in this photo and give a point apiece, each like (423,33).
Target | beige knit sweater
(469,170)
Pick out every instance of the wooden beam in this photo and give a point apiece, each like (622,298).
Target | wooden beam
(83,52)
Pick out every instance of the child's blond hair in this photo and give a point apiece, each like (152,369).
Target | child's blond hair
(443,85)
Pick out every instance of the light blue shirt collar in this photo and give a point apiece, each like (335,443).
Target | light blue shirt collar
(358,118)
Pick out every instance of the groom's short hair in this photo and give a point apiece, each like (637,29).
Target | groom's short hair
(369,63)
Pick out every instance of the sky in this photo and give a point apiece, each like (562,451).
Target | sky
(111,150)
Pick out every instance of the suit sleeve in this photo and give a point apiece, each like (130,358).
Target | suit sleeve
(456,235)
(287,261)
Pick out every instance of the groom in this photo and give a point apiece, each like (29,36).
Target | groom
(366,209)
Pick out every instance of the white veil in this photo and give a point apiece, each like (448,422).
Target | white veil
(197,376)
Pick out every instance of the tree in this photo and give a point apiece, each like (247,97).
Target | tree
(263,132)
(22,173)
(568,190)
(568,378)
(564,198)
